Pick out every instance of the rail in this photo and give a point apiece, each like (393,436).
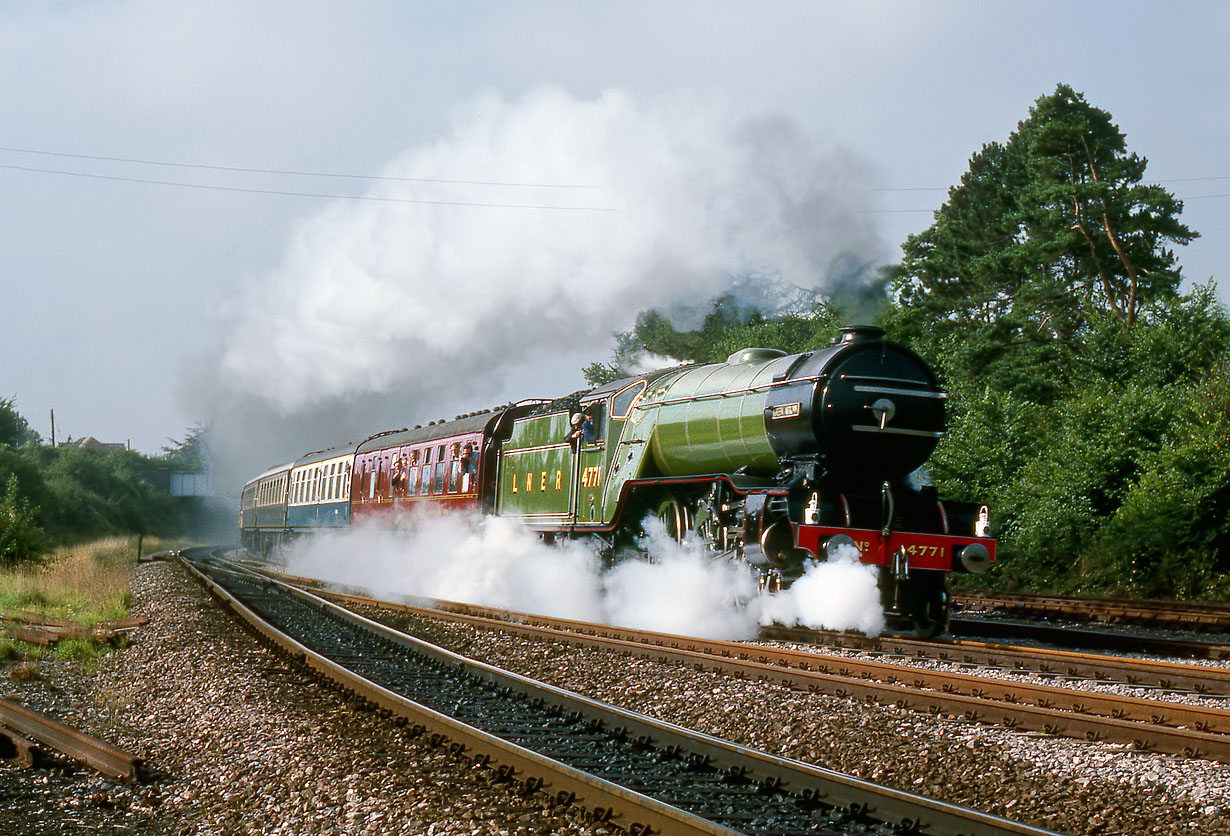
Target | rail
(26,730)
(1150,725)
(622,753)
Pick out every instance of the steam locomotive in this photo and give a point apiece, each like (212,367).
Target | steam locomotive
(770,459)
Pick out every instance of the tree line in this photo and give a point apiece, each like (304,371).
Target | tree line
(1089,396)
(50,496)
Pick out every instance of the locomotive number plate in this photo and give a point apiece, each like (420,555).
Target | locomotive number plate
(786,410)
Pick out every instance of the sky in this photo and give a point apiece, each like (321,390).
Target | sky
(303,222)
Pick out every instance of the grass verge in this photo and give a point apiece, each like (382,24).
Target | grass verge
(86,583)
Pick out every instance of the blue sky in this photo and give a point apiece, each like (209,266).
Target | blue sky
(681,139)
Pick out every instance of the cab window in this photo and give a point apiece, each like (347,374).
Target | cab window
(623,401)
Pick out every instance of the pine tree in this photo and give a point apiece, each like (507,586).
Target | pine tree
(1042,232)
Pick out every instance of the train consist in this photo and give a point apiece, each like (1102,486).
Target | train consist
(770,459)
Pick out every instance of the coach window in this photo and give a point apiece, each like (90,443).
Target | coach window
(437,486)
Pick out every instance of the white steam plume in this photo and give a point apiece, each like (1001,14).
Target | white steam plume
(421,300)
(837,594)
(490,561)
(669,201)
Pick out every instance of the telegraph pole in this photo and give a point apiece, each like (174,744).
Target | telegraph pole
(53,428)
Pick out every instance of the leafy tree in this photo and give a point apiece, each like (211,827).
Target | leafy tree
(29,474)
(192,453)
(1088,397)
(1174,343)
(726,328)
(14,430)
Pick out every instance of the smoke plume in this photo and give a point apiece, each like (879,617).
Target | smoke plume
(529,232)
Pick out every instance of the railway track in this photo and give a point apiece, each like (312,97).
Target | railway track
(645,776)
(1169,614)
(1063,635)
(1049,662)
(1146,724)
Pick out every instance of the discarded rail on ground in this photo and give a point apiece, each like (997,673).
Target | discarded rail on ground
(46,630)
(24,733)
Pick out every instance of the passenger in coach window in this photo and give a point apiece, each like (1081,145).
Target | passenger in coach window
(469,467)
(399,474)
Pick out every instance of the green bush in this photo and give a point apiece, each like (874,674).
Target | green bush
(1171,535)
(20,537)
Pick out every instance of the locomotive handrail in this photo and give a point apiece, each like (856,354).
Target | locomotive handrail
(889,390)
(734,392)
(844,376)
(873,428)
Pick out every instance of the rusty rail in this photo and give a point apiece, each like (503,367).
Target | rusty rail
(40,629)
(1183,614)
(27,730)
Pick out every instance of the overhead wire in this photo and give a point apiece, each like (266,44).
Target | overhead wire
(251,190)
(293,173)
(388,178)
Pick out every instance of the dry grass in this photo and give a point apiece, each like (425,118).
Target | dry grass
(85,583)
